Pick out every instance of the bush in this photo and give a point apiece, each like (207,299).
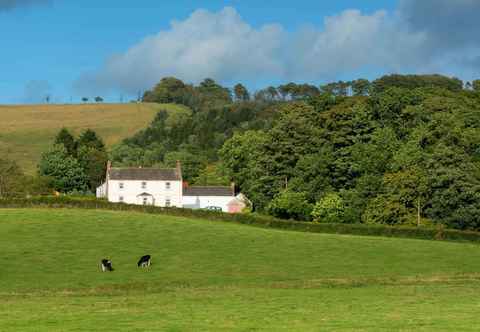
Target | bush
(290,205)
(330,209)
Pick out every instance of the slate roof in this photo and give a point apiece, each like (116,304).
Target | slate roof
(208,191)
(145,174)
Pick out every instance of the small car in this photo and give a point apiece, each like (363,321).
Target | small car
(213,208)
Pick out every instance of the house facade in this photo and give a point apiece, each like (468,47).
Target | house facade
(165,187)
(144,186)
(202,197)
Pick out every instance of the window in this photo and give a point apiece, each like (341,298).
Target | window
(167,202)
(120,199)
(120,185)
(144,185)
(167,185)
(145,201)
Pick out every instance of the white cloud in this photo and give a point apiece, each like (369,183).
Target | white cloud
(352,41)
(221,45)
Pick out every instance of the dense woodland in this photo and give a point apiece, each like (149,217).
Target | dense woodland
(404,149)
(401,150)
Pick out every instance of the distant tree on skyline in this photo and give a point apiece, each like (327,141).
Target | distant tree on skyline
(241,92)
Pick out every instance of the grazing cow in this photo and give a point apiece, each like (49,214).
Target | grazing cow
(144,261)
(106,265)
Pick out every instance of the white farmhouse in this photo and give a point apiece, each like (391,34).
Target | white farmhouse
(165,187)
(145,186)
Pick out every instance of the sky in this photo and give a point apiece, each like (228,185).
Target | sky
(69,49)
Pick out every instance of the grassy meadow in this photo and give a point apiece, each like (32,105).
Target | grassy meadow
(218,276)
(28,130)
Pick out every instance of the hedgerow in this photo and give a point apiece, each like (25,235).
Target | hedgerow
(426,233)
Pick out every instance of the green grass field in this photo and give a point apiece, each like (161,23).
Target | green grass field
(26,131)
(217,276)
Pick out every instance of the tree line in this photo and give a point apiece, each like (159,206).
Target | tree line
(402,149)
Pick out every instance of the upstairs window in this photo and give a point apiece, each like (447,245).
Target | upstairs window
(120,185)
(144,185)
(167,185)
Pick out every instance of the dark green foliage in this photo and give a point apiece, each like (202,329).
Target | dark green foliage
(417,81)
(90,139)
(211,175)
(192,163)
(75,165)
(402,156)
(169,90)
(94,164)
(11,178)
(290,205)
(361,87)
(67,140)
(64,170)
(404,149)
(241,93)
(339,88)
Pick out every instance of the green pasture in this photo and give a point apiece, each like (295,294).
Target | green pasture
(219,276)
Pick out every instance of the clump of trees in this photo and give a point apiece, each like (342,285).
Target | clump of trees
(402,149)
(75,165)
(400,156)
(14,183)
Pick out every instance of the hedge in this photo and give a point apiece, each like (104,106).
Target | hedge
(426,233)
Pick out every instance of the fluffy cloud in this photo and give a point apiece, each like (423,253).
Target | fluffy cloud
(420,36)
(6,5)
(219,45)
(353,41)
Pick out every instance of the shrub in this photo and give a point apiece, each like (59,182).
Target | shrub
(329,209)
(290,205)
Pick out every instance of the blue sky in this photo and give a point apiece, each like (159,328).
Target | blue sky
(70,48)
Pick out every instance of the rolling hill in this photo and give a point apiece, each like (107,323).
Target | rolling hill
(28,130)
(218,276)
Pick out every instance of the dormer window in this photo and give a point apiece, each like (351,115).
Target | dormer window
(167,185)
(144,185)
(120,185)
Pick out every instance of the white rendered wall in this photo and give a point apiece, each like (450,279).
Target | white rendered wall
(200,202)
(131,190)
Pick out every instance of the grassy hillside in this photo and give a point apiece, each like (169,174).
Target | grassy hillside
(211,276)
(28,130)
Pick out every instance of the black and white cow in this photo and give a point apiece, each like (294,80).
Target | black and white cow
(106,265)
(144,261)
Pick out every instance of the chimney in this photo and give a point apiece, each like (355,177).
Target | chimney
(178,169)
(232,187)
(107,177)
